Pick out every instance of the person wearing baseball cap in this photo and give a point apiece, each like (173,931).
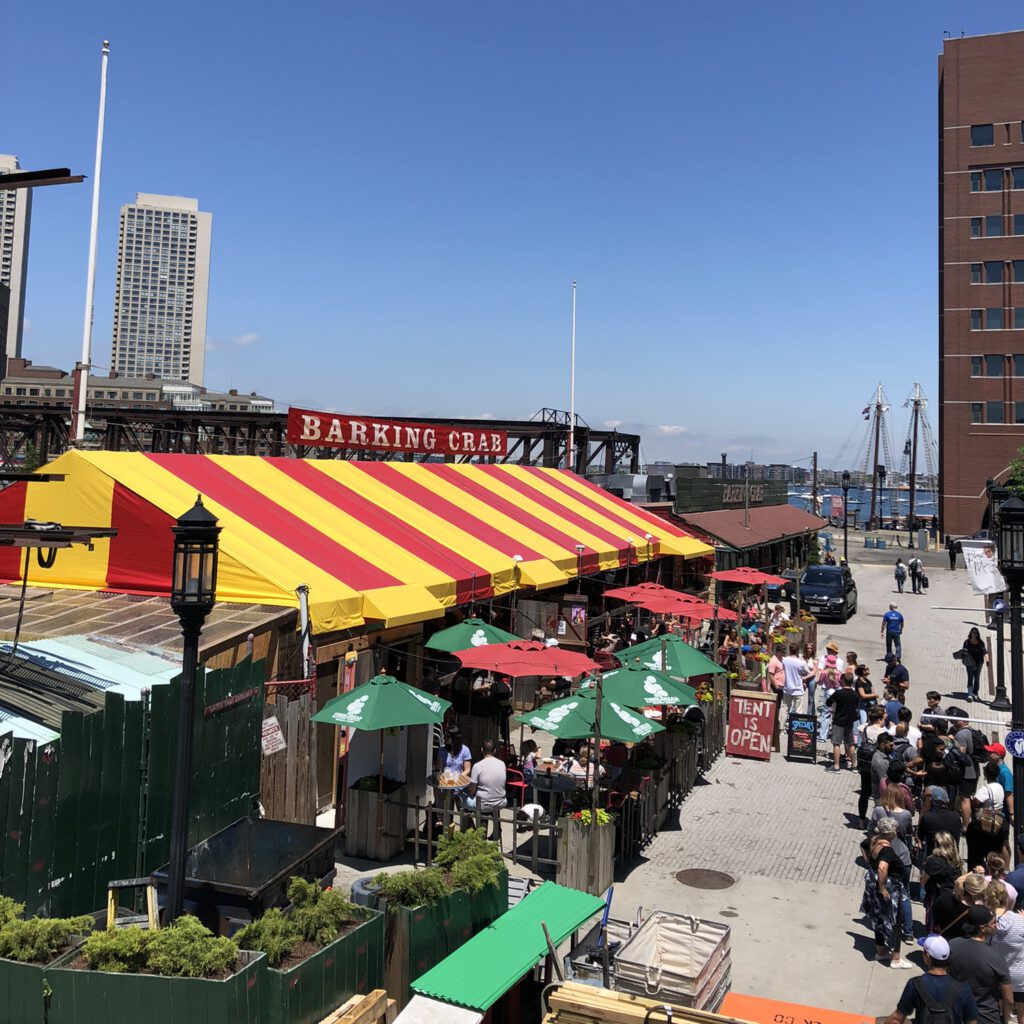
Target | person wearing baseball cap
(997,753)
(981,968)
(935,988)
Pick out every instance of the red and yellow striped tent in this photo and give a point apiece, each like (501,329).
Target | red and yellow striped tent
(382,542)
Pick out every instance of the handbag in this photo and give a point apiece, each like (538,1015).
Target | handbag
(924,581)
(959,655)
(989,820)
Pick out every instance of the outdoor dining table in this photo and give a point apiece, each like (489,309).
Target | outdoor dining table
(557,784)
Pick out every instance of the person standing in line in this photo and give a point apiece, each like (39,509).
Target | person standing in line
(896,674)
(880,764)
(884,882)
(843,705)
(830,679)
(916,571)
(892,630)
(973,962)
(865,756)
(900,574)
(1008,942)
(973,656)
(797,673)
(964,740)
(940,869)
(996,752)
(935,990)
(867,696)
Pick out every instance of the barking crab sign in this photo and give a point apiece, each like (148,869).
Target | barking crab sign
(369,434)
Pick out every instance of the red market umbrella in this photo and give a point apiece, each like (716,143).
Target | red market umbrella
(639,591)
(526,658)
(689,609)
(750,577)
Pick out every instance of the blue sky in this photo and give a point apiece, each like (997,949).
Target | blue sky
(403,192)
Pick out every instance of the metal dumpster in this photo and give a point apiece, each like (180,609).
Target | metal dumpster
(681,959)
(239,872)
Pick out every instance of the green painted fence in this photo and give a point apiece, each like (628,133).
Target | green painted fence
(96,805)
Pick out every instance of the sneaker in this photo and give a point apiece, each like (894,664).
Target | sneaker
(831,768)
(901,965)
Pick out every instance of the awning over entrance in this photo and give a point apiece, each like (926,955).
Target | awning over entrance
(767,524)
(482,970)
(382,542)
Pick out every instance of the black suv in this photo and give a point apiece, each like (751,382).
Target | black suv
(828,590)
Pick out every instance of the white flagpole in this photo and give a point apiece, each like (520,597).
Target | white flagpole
(82,370)
(570,461)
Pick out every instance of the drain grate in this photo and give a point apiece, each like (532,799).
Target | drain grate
(705,878)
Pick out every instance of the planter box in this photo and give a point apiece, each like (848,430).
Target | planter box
(574,856)
(22,985)
(308,992)
(94,997)
(361,838)
(419,938)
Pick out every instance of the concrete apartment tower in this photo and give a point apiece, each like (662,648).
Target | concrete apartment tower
(981,270)
(163,278)
(15,219)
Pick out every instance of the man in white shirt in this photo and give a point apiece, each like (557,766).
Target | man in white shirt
(797,673)
(486,790)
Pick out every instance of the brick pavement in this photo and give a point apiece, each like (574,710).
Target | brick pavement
(783,830)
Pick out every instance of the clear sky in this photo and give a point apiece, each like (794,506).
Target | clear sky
(402,194)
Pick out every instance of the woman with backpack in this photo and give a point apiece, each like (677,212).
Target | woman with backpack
(900,574)
(884,883)
(989,829)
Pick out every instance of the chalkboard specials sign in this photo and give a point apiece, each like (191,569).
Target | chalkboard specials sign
(751,723)
(802,732)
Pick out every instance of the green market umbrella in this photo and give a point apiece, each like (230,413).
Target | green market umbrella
(637,687)
(383,703)
(669,654)
(573,718)
(469,633)
(378,704)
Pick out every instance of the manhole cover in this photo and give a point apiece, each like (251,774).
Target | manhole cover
(704,878)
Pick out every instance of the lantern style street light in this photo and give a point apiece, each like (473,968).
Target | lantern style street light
(1010,531)
(846,514)
(193,593)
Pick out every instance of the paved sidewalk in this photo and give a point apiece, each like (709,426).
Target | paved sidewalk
(787,832)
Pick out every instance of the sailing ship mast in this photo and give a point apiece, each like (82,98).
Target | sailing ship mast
(914,419)
(877,412)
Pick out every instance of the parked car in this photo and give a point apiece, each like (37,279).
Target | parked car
(828,590)
(783,591)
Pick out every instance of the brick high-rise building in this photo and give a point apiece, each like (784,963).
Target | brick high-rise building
(981,270)
(163,276)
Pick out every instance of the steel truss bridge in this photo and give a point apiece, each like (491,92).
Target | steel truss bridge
(41,433)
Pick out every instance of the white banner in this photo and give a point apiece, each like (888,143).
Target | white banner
(982,566)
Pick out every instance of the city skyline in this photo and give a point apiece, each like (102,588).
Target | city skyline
(431,254)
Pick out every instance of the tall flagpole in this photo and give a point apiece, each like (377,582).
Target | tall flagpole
(82,370)
(570,462)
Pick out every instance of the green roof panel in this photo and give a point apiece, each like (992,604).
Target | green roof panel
(480,972)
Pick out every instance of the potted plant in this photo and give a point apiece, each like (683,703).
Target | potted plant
(320,951)
(432,911)
(27,947)
(578,848)
(182,972)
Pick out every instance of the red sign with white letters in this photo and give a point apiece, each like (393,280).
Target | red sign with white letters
(751,723)
(366,433)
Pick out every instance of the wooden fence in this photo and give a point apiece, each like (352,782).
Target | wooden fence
(96,804)
(287,777)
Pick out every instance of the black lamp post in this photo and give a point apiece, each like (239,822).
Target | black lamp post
(1011,563)
(846,514)
(193,592)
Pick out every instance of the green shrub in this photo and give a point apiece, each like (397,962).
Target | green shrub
(321,915)
(9,910)
(189,949)
(413,888)
(273,934)
(117,950)
(460,846)
(38,940)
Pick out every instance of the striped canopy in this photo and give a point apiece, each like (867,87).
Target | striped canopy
(380,542)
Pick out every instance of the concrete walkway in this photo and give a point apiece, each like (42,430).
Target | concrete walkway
(787,832)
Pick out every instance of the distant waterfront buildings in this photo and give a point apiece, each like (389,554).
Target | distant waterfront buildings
(15,220)
(163,276)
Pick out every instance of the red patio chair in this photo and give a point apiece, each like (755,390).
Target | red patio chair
(515,781)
